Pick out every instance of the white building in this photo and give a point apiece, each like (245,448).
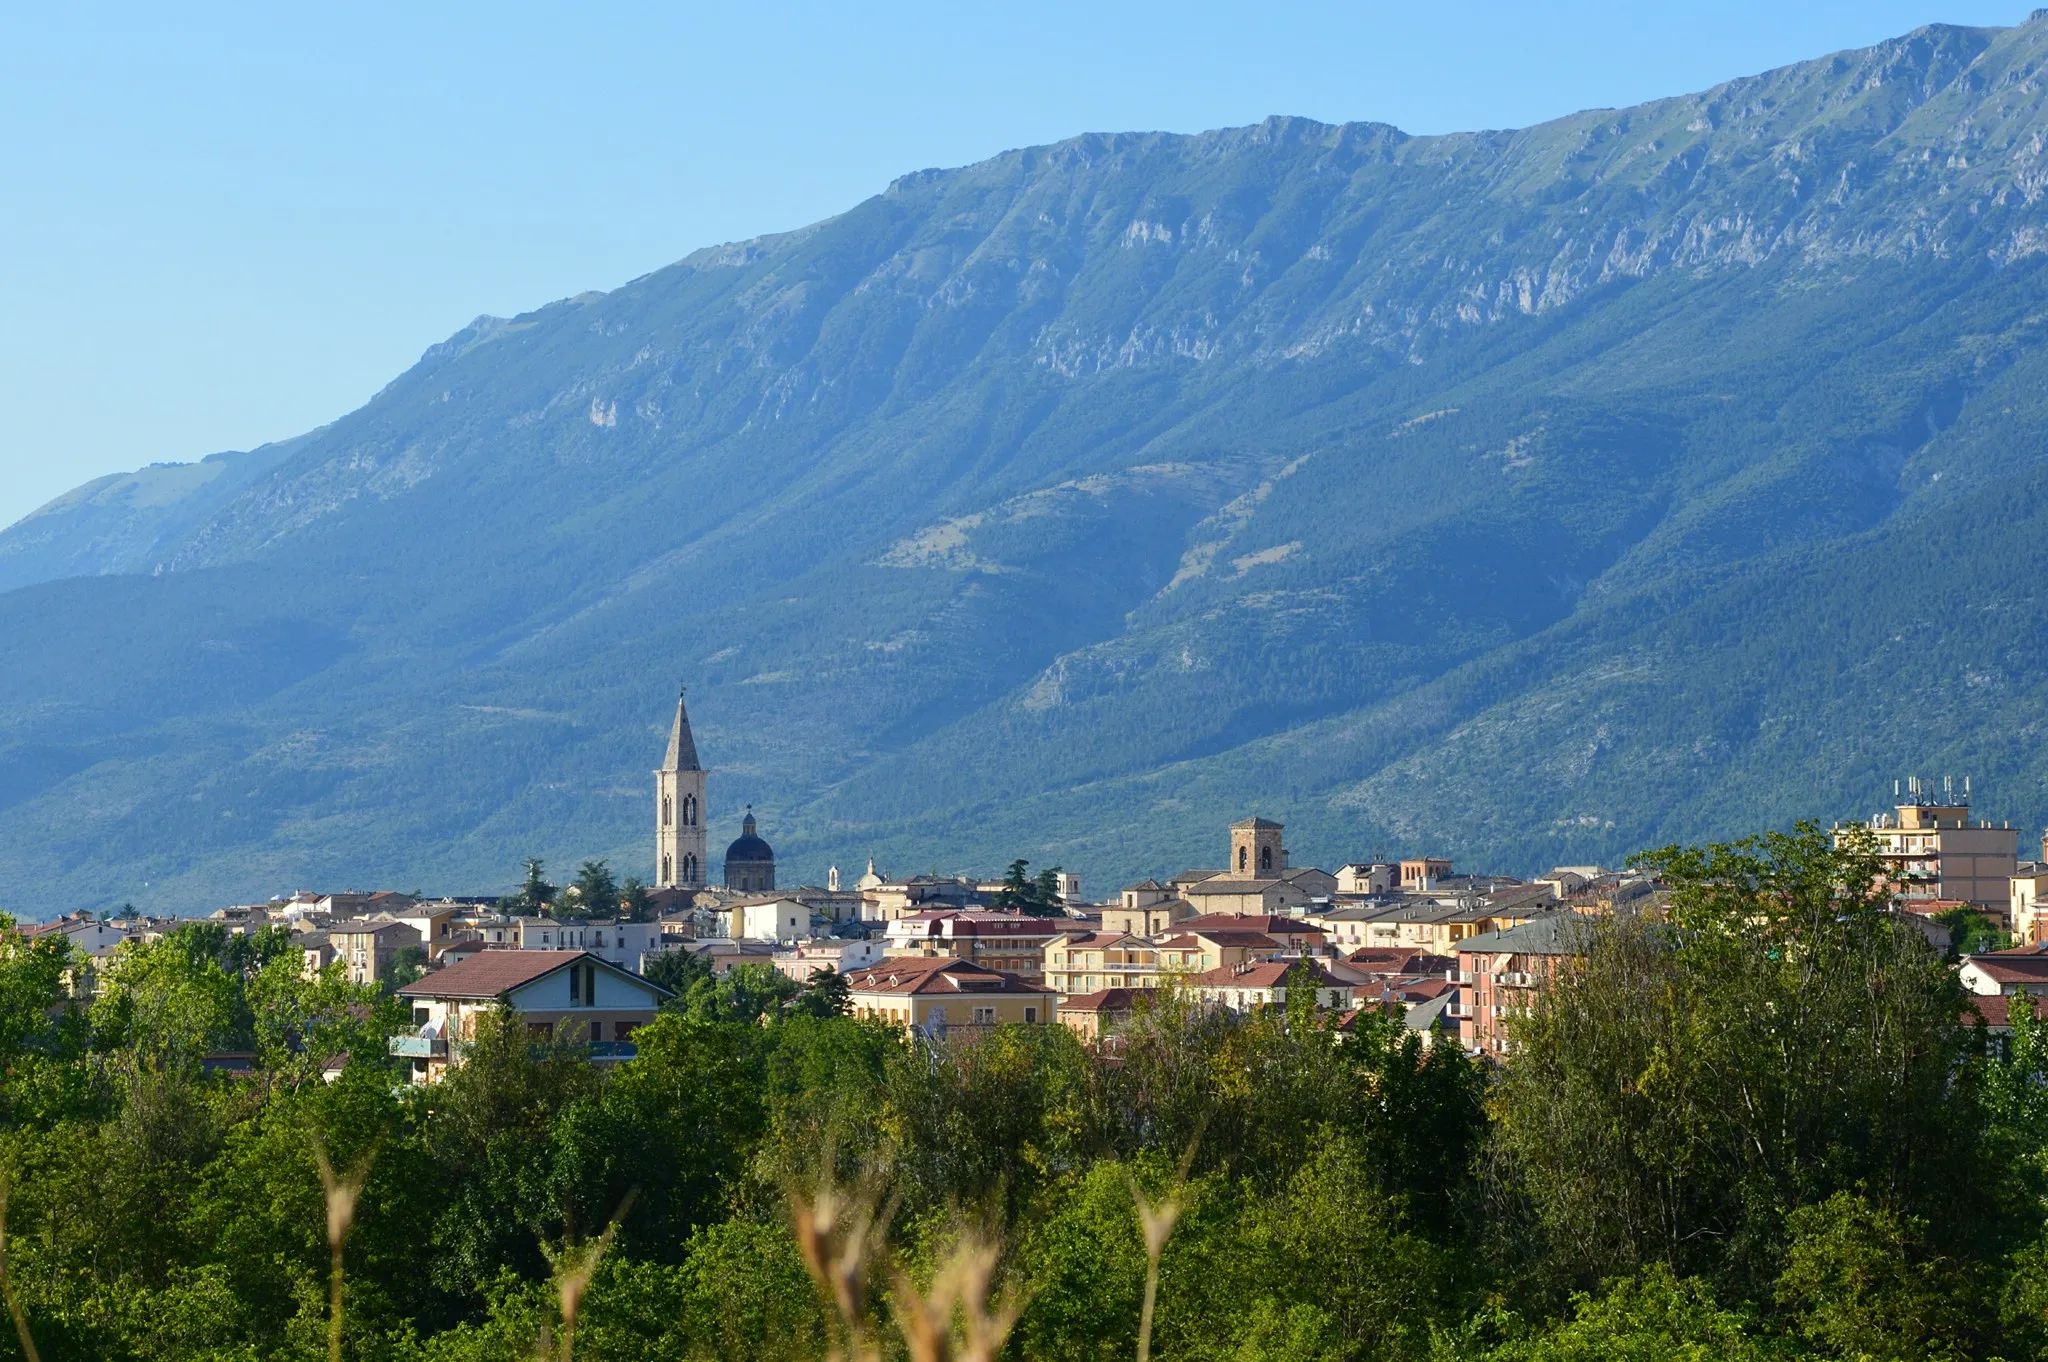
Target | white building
(768,919)
(568,996)
(812,957)
(625,944)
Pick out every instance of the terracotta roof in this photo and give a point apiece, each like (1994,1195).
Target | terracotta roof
(938,974)
(1398,960)
(492,974)
(1104,939)
(2022,965)
(1266,974)
(1102,1000)
(1270,923)
(363,926)
(1251,940)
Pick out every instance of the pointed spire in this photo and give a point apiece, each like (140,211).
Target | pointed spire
(682,748)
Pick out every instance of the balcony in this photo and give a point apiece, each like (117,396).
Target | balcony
(419,1047)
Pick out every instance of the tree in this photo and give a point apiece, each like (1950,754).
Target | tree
(534,896)
(407,964)
(1034,896)
(1779,1037)
(1016,893)
(676,971)
(635,903)
(1858,1284)
(825,995)
(1969,932)
(596,894)
(746,994)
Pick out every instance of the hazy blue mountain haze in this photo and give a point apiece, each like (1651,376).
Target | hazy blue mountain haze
(1528,497)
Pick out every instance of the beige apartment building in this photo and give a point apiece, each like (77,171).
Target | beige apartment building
(938,994)
(1937,851)
(1101,960)
(369,949)
(1146,908)
(1010,942)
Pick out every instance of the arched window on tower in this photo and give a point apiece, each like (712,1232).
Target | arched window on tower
(690,869)
(689,811)
(665,810)
(1243,859)
(665,868)
(1265,858)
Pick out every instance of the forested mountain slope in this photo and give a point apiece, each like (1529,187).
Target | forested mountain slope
(1522,496)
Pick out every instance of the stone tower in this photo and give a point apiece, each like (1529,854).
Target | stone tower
(1255,849)
(679,861)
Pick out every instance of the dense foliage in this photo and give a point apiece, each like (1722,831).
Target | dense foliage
(1755,1125)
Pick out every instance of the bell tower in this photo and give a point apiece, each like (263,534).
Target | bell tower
(679,811)
(1256,852)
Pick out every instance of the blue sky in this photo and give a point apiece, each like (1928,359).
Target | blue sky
(225,224)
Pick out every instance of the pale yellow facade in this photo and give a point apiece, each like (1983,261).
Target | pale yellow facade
(955,1010)
(2026,891)
(1107,960)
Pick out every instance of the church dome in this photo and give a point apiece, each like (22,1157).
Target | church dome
(749,861)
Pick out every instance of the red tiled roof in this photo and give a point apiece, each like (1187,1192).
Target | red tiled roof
(1996,1009)
(1267,974)
(934,974)
(1102,1000)
(492,974)
(2009,971)
(1248,922)
(1398,960)
(1256,941)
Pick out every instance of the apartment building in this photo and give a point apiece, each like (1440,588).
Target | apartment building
(937,994)
(1010,942)
(368,949)
(1500,973)
(1934,849)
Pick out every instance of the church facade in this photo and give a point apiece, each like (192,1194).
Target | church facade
(681,848)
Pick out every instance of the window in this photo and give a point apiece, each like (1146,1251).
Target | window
(596,1032)
(1243,858)
(1265,858)
(664,810)
(540,1030)
(665,867)
(420,1016)
(621,1030)
(1030,1014)
(575,988)
(984,1016)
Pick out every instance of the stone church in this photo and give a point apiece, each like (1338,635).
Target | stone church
(681,852)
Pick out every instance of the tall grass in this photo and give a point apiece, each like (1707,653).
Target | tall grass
(342,1192)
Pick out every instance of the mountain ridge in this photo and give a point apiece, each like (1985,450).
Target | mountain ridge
(1069,503)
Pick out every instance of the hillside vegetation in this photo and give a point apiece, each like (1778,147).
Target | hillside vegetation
(1528,497)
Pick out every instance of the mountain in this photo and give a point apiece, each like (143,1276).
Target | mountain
(1528,496)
